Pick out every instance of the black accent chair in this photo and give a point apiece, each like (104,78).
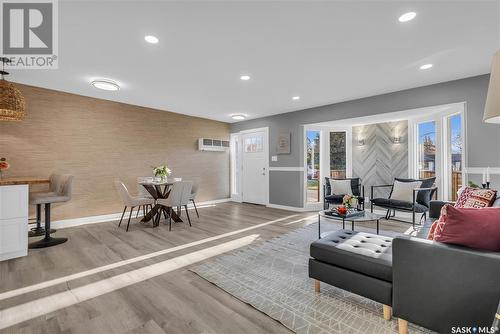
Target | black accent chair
(357,190)
(420,204)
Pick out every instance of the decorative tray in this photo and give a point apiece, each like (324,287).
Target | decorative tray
(353,212)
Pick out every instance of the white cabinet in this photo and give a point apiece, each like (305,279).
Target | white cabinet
(13,221)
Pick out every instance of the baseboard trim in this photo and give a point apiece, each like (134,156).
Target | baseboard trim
(285,207)
(64,223)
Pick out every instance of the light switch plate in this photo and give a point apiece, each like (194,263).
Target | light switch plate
(274,158)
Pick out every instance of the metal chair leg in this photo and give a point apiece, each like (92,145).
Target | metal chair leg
(195,208)
(187,214)
(170,219)
(129,216)
(137,214)
(123,213)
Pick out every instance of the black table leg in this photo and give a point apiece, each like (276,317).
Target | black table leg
(352,225)
(343,223)
(378,221)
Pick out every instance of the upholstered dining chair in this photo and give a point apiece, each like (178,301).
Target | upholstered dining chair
(192,196)
(178,197)
(142,192)
(61,186)
(130,201)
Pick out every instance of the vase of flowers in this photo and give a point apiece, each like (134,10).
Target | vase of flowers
(161,172)
(350,201)
(4,165)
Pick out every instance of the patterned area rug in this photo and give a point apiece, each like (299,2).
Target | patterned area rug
(273,278)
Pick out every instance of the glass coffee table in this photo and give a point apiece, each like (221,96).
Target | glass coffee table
(367,217)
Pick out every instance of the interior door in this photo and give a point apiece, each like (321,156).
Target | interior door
(254,168)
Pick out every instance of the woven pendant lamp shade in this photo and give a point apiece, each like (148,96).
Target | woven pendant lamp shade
(12,103)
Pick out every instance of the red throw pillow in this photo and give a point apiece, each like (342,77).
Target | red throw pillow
(476,198)
(473,228)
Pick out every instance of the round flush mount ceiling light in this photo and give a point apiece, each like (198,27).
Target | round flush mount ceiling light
(407,17)
(426,66)
(245,77)
(238,117)
(151,39)
(296,98)
(105,84)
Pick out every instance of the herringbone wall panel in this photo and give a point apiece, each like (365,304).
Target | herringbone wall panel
(379,160)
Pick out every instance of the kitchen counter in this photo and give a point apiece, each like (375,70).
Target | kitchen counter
(22,180)
(14,201)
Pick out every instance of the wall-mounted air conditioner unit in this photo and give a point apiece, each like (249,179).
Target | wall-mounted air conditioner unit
(206,144)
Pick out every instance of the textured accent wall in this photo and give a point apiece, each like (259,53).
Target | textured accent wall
(379,160)
(99,141)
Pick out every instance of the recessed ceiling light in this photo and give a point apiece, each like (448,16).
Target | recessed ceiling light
(238,117)
(245,77)
(407,17)
(105,84)
(426,66)
(296,98)
(151,39)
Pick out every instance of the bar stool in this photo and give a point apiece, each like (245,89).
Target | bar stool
(39,230)
(61,184)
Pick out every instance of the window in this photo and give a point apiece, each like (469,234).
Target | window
(455,154)
(439,150)
(313,165)
(254,144)
(338,154)
(426,149)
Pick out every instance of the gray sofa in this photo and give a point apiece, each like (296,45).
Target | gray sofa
(434,285)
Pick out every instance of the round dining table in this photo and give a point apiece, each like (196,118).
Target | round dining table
(158,189)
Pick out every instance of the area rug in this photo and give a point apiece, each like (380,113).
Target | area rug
(273,278)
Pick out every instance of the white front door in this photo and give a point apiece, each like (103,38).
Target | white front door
(254,167)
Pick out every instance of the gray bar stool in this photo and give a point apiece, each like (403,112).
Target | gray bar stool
(61,187)
(39,230)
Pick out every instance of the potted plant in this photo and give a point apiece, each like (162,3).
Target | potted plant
(161,172)
(350,201)
(4,165)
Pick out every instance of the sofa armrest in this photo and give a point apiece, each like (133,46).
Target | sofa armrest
(439,286)
(435,208)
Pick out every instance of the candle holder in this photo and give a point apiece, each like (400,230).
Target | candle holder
(487,184)
(484,185)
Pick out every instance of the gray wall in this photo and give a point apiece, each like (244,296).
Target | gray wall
(483,140)
(379,160)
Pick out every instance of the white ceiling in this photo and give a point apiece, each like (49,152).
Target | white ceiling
(325,52)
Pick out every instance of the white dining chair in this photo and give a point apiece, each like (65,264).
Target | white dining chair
(178,197)
(130,201)
(192,196)
(142,192)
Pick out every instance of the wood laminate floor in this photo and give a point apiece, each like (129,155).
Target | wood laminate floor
(152,294)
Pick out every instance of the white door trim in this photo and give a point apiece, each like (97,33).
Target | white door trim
(266,155)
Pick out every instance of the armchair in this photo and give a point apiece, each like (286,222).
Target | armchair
(357,190)
(420,199)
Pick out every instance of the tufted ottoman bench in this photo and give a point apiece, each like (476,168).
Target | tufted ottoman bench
(357,262)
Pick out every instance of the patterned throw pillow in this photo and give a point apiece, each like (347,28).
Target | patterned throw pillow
(437,226)
(476,198)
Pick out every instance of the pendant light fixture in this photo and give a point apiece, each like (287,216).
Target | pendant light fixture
(12,103)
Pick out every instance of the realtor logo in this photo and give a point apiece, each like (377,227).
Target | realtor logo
(29,33)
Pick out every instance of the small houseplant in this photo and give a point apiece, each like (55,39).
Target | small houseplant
(162,172)
(350,201)
(4,165)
